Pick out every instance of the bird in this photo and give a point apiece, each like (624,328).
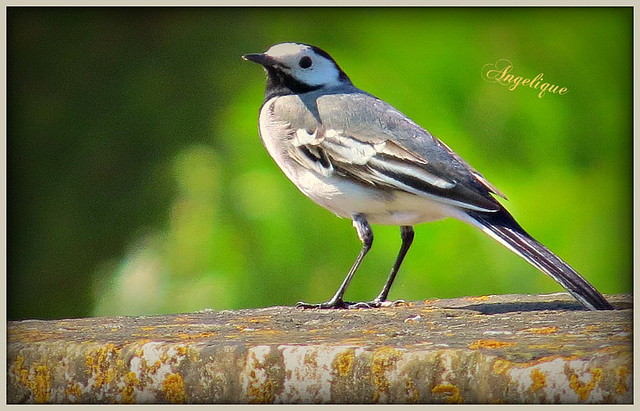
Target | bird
(359,157)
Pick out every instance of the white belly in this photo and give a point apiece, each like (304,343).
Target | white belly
(346,198)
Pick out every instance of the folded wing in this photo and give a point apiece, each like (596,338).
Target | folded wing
(390,153)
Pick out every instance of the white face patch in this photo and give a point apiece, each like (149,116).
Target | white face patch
(304,64)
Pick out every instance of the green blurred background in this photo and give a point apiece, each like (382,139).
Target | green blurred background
(137,183)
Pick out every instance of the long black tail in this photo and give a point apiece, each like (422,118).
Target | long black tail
(503,228)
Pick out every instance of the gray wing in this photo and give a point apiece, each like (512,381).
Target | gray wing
(382,147)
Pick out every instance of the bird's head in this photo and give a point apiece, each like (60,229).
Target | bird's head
(299,68)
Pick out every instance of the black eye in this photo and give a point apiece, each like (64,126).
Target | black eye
(305,62)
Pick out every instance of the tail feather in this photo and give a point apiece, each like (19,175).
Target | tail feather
(503,228)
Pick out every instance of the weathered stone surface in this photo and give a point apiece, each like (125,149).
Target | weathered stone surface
(498,349)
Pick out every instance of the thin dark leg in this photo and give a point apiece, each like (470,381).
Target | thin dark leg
(366,236)
(406,233)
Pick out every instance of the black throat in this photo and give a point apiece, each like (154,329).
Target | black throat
(281,84)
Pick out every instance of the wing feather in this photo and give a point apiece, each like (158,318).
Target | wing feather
(383,147)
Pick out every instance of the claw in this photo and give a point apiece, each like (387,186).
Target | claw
(304,305)
(347,305)
(361,304)
(323,306)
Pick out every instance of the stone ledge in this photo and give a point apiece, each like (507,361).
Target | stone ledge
(492,349)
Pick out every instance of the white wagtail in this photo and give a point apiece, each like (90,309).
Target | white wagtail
(362,159)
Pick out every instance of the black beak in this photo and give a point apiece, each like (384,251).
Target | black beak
(259,58)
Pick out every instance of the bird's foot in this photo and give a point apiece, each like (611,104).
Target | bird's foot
(339,304)
(379,304)
(327,305)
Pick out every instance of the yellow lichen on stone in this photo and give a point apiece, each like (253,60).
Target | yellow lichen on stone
(99,364)
(174,389)
(21,373)
(343,362)
(353,341)
(383,359)
(152,369)
(481,298)
(542,330)
(490,344)
(261,393)
(73,392)
(539,380)
(583,390)
(413,395)
(453,393)
(311,359)
(164,357)
(621,384)
(186,336)
(127,393)
(260,390)
(37,381)
(548,359)
(261,319)
(500,366)
(42,383)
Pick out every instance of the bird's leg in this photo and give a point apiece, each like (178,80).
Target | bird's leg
(365,234)
(406,233)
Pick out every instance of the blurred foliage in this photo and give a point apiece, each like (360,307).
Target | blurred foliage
(137,183)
